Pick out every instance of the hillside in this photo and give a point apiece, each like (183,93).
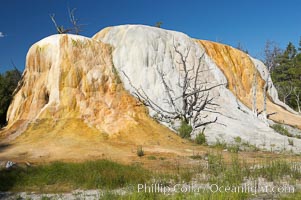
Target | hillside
(76,99)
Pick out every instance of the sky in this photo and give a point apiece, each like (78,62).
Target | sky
(248,22)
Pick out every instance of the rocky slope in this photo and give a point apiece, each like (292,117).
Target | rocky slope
(80,89)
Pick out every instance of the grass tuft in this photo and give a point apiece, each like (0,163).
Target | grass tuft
(140,151)
(185,130)
(100,174)
(281,130)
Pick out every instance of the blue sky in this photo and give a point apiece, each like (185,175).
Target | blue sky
(252,22)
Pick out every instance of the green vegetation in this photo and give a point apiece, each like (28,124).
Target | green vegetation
(237,139)
(177,196)
(246,146)
(234,173)
(107,175)
(281,130)
(57,176)
(277,170)
(152,157)
(220,144)
(158,24)
(162,158)
(234,148)
(294,196)
(286,74)
(223,174)
(45,198)
(185,130)
(8,83)
(197,157)
(140,151)
(201,138)
(220,172)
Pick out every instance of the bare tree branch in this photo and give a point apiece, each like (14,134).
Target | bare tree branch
(74,21)
(285,91)
(195,95)
(59,29)
(76,28)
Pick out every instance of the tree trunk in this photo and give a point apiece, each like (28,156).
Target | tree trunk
(265,89)
(254,89)
(298,102)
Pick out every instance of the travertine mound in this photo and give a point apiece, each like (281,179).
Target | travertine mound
(140,50)
(69,76)
(71,105)
(81,89)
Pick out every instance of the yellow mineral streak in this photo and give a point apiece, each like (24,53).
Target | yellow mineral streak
(87,86)
(239,71)
(72,105)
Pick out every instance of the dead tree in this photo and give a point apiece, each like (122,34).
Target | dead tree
(285,91)
(74,21)
(59,29)
(297,94)
(76,28)
(195,99)
(254,90)
(271,52)
(265,90)
(158,24)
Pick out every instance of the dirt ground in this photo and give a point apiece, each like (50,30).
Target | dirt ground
(71,140)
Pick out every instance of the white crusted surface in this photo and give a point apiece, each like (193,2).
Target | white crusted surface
(139,50)
(75,77)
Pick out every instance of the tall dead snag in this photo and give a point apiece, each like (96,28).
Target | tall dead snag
(271,52)
(265,90)
(194,102)
(297,94)
(254,90)
(285,91)
(75,29)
